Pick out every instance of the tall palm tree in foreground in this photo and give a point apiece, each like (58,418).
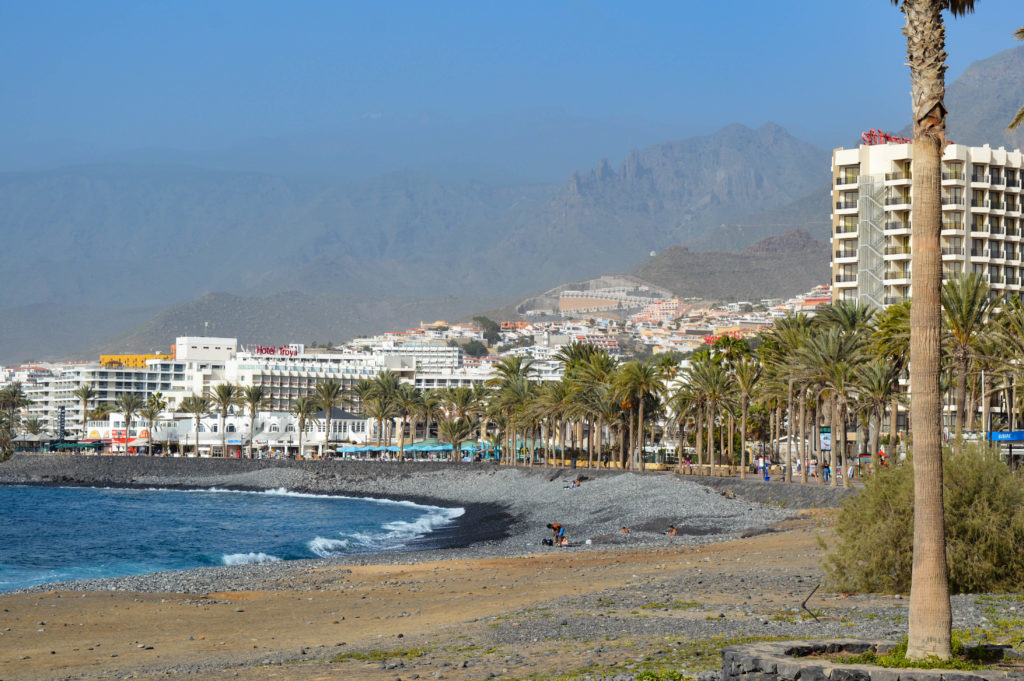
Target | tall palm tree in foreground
(85,394)
(128,404)
(198,406)
(225,396)
(930,614)
(328,393)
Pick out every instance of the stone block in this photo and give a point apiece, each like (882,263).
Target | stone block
(788,671)
(813,673)
(850,673)
(883,674)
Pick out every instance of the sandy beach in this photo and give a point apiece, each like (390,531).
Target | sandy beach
(499,607)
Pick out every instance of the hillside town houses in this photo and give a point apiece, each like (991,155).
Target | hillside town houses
(430,357)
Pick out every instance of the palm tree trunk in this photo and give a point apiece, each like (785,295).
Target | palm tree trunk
(876,412)
(930,615)
(789,423)
(699,428)
(743,440)
(804,440)
(711,439)
(640,428)
(961,397)
(842,448)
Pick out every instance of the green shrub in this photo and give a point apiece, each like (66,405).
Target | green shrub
(984,504)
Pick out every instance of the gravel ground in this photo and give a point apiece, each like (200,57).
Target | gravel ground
(507,509)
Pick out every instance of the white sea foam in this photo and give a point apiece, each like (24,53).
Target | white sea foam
(326,548)
(245,558)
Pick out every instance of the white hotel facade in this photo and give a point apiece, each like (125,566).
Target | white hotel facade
(982,219)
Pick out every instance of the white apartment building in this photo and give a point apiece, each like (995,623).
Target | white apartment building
(981,219)
(289,372)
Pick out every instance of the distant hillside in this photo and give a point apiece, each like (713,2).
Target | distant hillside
(48,331)
(779,266)
(291,317)
(811,213)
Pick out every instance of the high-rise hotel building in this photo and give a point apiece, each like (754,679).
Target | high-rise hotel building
(871,197)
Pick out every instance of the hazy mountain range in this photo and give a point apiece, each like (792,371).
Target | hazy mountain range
(125,255)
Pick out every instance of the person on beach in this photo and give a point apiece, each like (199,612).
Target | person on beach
(558,533)
(672,531)
(624,530)
(826,471)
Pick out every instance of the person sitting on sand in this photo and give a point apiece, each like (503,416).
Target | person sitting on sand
(624,530)
(576,483)
(672,531)
(564,541)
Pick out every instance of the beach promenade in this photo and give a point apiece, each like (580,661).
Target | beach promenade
(494,605)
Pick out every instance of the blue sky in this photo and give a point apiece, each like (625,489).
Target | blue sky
(195,75)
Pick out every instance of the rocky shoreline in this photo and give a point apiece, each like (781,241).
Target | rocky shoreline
(506,509)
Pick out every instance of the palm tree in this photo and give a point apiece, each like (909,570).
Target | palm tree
(198,406)
(746,374)
(13,398)
(891,340)
(637,381)
(362,389)
(328,393)
(965,307)
(456,431)
(129,404)
(150,412)
(254,397)
(304,407)
(429,409)
(225,396)
(876,382)
(85,394)
(930,615)
(34,426)
(101,411)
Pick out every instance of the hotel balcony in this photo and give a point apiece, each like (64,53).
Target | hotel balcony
(897,227)
(998,206)
(846,206)
(844,280)
(1013,183)
(996,229)
(996,279)
(898,178)
(897,202)
(897,252)
(979,255)
(980,206)
(952,226)
(951,203)
(996,254)
(997,180)
(980,228)
(952,252)
(846,255)
(892,300)
(952,178)
(897,278)
(846,232)
(846,181)
(981,179)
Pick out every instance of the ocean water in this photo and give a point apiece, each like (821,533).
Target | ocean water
(54,534)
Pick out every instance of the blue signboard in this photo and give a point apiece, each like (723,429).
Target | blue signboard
(1007,436)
